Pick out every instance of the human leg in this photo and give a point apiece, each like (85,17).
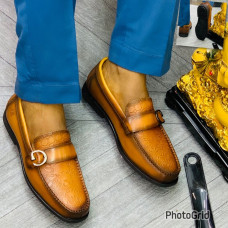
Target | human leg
(116,87)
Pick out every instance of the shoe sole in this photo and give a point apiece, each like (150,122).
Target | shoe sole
(185,34)
(197,126)
(14,139)
(99,110)
(202,24)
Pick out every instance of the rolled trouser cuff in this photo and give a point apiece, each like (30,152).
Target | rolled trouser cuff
(48,93)
(138,61)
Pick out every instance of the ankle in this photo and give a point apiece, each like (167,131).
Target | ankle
(113,72)
(124,84)
(43,118)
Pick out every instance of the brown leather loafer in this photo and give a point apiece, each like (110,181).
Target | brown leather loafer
(184,30)
(141,139)
(50,166)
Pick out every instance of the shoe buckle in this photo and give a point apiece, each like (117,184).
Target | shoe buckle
(33,157)
(159,116)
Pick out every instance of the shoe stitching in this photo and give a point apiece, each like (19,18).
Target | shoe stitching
(171,147)
(55,146)
(51,134)
(85,206)
(145,155)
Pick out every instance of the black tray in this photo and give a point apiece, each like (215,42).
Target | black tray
(177,101)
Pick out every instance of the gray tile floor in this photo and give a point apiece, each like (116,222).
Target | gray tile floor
(119,196)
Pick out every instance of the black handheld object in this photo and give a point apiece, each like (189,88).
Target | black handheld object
(198,191)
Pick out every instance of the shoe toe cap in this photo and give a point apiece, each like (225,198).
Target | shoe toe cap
(67,186)
(160,154)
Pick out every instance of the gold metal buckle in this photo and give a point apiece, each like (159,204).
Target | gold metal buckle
(33,157)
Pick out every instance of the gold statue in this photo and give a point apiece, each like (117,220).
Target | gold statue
(206,87)
(219,22)
(201,99)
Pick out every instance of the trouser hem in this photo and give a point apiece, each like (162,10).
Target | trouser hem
(48,94)
(138,61)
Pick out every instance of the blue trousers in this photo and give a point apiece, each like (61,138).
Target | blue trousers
(46,55)
(184,13)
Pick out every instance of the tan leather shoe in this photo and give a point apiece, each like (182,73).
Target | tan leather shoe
(141,139)
(50,166)
(184,30)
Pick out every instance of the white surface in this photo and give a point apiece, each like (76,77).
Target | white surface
(192,40)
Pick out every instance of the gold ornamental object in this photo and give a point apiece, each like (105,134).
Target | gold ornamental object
(218,26)
(206,85)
